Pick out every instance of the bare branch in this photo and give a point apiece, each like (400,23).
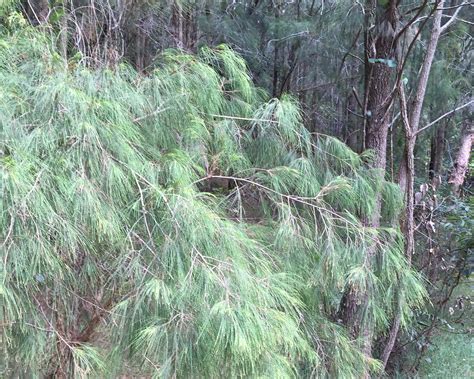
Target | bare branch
(459,5)
(404,109)
(241,118)
(451,20)
(412,21)
(444,115)
(154,113)
(465,21)
(357,98)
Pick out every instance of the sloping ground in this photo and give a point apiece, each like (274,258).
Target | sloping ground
(451,354)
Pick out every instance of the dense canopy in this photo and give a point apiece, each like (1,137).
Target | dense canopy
(163,216)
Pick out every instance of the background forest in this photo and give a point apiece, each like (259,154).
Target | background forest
(261,189)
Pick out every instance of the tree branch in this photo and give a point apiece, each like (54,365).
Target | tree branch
(411,21)
(451,20)
(444,115)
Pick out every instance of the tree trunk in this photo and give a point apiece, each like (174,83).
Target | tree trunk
(352,123)
(64,31)
(276,53)
(407,169)
(275,72)
(380,44)
(417,106)
(177,24)
(461,163)
(438,144)
(140,49)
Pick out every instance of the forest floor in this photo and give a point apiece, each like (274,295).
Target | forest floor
(451,354)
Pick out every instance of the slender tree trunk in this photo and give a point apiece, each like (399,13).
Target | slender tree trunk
(461,163)
(352,123)
(140,53)
(64,31)
(177,22)
(292,63)
(276,53)
(409,224)
(275,71)
(438,144)
(407,170)
(417,106)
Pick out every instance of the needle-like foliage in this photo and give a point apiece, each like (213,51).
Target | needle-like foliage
(118,254)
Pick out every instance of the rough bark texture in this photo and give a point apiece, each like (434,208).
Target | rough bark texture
(379,78)
(380,45)
(461,164)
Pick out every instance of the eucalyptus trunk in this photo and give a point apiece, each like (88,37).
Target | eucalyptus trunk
(461,164)
(411,123)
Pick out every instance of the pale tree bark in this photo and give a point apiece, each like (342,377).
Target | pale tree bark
(64,32)
(461,163)
(417,105)
(411,122)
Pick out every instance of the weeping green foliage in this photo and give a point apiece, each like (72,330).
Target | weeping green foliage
(114,256)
